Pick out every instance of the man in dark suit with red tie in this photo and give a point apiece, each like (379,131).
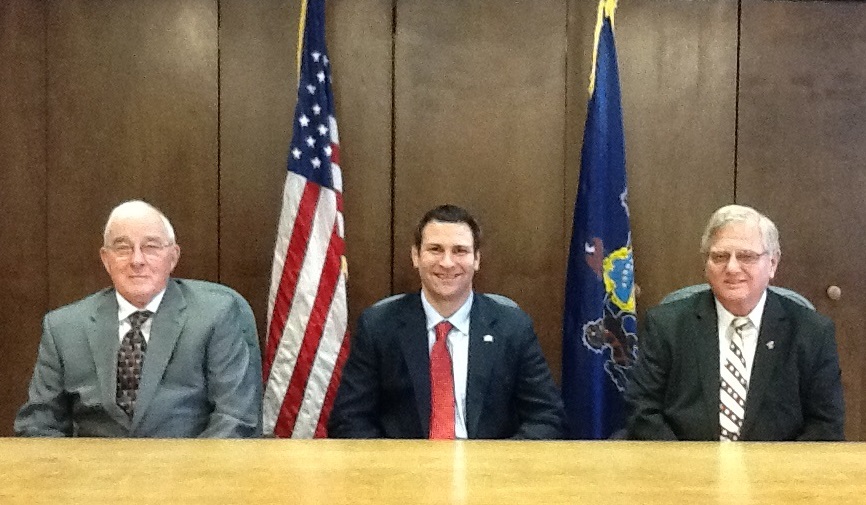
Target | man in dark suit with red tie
(738,361)
(447,362)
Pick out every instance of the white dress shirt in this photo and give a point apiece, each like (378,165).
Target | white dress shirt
(126,309)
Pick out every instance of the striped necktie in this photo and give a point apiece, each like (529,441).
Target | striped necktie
(734,383)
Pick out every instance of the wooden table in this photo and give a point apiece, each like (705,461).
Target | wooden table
(327,472)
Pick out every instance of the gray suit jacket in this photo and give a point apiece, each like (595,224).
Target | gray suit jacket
(795,391)
(201,375)
(385,386)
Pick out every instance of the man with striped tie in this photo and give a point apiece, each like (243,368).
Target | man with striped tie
(737,361)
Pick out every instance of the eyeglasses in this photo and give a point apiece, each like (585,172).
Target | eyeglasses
(747,258)
(148,249)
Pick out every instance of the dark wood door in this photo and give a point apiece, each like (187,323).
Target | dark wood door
(802,159)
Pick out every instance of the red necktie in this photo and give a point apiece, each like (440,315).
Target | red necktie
(441,386)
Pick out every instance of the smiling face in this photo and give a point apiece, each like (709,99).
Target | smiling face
(739,267)
(446,261)
(139,255)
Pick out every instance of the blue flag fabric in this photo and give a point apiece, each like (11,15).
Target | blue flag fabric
(599,341)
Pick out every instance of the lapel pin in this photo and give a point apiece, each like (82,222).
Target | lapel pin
(771,344)
(488,338)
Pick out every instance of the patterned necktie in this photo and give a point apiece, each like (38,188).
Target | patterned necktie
(130,358)
(734,384)
(441,386)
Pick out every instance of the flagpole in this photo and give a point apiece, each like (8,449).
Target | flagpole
(301,25)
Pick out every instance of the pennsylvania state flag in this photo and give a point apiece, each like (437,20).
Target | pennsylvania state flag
(599,340)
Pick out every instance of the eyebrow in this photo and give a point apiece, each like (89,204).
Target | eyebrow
(443,246)
(149,238)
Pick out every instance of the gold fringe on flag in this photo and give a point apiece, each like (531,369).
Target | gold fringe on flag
(606,8)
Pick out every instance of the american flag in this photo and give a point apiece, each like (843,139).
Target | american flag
(307,340)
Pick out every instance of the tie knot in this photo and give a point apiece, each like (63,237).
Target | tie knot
(740,324)
(136,319)
(442,329)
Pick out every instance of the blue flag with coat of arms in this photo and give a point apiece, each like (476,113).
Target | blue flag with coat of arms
(599,342)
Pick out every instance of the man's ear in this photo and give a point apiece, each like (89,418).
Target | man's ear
(103,255)
(415,256)
(175,256)
(774,264)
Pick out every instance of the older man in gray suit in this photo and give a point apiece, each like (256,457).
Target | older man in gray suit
(151,357)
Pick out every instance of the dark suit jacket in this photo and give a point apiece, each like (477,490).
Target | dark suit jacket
(201,375)
(385,387)
(795,390)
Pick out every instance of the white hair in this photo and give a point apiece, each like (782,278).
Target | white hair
(136,208)
(741,214)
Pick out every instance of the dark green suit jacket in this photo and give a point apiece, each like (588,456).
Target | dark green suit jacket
(795,390)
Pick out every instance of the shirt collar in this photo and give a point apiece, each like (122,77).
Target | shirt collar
(125,308)
(460,318)
(726,318)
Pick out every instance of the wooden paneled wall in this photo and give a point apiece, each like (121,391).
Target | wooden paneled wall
(481,103)
(23,206)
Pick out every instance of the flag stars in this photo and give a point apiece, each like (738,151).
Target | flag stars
(327,149)
(323,130)
(311,89)
(325,59)
(316,162)
(316,109)
(304,120)
(316,55)
(311,141)
(320,76)
(296,153)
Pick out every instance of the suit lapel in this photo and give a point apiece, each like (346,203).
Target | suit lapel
(104,341)
(774,327)
(706,342)
(481,354)
(412,331)
(168,322)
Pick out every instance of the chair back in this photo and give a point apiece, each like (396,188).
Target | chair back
(500,299)
(698,288)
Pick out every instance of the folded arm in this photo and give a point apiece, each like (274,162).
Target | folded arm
(356,407)
(823,402)
(234,374)
(48,410)
(539,404)
(646,389)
